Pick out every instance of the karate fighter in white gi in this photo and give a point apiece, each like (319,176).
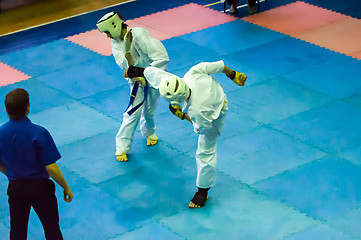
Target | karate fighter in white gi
(135,47)
(205,107)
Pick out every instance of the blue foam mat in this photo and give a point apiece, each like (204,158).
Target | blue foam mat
(285,55)
(177,133)
(330,128)
(348,223)
(88,150)
(354,99)
(275,100)
(337,78)
(99,211)
(81,23)
(4,229)
(319,232)
(346,7)
(86,79)
(152,231)
(73,122)
(112,216)
(42,97)
(235,211)
(352,154)
(232,37)
(317,187)
(4,209)
(156,172)
(49,57)
(270,184)
(255,74)
(186,54)
(236,124)
(112,103)
(256,155)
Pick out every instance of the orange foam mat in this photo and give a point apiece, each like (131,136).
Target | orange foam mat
(343,36)
(153,32)
(356,54)
(295,18)
(10,75)
(101,44)
(93,40)
(313,24)
(184,19)
(181,20)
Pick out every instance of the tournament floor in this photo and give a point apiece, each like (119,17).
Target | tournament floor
(289,163)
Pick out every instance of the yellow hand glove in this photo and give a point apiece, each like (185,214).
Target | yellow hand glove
(177,110)
(179,114)
(238,78)
(141,80)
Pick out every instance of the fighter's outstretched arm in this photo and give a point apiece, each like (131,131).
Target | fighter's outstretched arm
(219,67)
(237,77)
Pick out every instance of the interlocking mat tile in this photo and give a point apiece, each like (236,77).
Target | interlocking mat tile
(342,36)
(181,20)
(295,18)
(93,40)
(316,188)
(316,25)
(184,19)
(10,75)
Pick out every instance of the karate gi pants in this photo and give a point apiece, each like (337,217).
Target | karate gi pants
(144,113)
(206,155)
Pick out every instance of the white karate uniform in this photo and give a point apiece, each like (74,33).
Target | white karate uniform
(207,108)
(146,51)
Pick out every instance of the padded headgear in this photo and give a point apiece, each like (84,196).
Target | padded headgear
(174,90)
(112,23)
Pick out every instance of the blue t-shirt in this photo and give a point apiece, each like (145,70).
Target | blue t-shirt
(25,150)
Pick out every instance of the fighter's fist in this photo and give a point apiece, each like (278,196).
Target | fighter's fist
(177,110)
(238,78)
(140,80)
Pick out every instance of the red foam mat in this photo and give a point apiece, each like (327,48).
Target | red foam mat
(313,24)
(162,25)
(10,75)
(185,19)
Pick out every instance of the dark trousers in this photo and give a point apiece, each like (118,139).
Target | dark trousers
(252,2)
(39,194)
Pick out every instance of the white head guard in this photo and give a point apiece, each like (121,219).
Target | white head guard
(174,90)
(112,23)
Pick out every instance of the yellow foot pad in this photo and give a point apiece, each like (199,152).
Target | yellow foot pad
(122,157)
(200,201)
(152,140)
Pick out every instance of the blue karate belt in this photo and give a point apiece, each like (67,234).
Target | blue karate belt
(132,97)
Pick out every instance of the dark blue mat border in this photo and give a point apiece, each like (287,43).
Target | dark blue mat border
(60,29)
(75,25)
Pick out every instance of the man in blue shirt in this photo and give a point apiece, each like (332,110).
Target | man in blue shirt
(28,158)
